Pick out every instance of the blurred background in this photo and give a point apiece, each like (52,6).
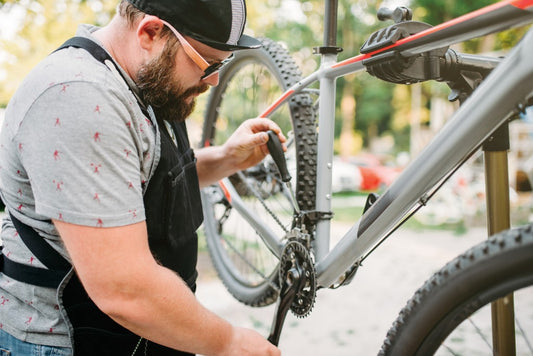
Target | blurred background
(380,126)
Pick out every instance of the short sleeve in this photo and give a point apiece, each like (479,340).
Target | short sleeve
(82,147)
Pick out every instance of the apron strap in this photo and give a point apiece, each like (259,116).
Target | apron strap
(39,247)
(57,266)
(92,47)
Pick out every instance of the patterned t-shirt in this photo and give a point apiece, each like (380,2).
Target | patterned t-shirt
(74,146)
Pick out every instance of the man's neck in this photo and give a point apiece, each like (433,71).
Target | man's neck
(119,41)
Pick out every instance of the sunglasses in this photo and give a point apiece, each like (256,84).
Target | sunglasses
(208,69)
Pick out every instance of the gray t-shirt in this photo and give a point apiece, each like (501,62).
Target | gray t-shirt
(74,146)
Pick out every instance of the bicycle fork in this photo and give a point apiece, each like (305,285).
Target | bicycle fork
(498,219)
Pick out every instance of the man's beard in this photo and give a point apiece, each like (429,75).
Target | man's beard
(162,92)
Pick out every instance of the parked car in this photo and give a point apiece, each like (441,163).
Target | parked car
(346,176)
(361,173)
(375,175)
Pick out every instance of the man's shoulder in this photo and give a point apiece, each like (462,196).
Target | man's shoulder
(70,65)
(68,69)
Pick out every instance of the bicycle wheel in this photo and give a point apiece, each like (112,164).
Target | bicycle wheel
(248,84)
(451,313)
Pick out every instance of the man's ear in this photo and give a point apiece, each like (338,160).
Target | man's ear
(149,33)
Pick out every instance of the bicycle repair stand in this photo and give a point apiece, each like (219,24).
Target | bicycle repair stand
(463,73)
(498,219)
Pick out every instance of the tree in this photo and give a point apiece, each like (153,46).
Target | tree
(43,25)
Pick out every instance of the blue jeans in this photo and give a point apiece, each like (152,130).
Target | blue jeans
(11,346)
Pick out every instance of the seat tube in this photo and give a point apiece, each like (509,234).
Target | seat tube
(498,219)
(326,130)
(330,23)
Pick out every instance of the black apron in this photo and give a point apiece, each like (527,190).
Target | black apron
(173,214)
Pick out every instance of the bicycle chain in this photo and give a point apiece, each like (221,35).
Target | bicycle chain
(250,188)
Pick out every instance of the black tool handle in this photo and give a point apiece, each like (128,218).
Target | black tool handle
(276,151)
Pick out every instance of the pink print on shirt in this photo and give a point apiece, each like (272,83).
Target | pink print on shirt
(3,300)
(96,167)
(58,184)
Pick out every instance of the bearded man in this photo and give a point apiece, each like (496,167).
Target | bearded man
(101,187)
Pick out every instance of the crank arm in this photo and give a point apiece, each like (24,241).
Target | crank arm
(288,292)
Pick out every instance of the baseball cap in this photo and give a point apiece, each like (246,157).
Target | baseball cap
(216,23)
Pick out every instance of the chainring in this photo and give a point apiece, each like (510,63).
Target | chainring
(297,253)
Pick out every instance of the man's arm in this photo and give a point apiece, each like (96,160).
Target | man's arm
(245,148)
(121,276)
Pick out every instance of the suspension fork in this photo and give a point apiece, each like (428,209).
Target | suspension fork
(498,219)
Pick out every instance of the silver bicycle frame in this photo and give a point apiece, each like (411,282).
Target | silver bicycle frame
(494,102)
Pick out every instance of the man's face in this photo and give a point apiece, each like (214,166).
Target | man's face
(163,90)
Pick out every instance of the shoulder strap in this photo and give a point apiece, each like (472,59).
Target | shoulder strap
(100,55)
(92,47)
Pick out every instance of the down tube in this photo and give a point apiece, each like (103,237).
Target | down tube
(489,106)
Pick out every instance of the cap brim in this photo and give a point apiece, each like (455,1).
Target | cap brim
(245,42)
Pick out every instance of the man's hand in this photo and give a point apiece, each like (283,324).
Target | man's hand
(245,148)
(247,342)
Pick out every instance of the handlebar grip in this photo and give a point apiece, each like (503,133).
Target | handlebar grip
(276,151)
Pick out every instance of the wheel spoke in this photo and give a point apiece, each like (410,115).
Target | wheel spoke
(248,85)
(452,312)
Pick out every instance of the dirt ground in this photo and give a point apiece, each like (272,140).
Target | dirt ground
(351,320)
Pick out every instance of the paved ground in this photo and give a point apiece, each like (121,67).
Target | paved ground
(351,320)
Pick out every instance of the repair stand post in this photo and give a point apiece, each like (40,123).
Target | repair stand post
(498,219)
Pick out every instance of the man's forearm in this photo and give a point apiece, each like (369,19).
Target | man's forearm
(160,307)
(212,165)
(124,280)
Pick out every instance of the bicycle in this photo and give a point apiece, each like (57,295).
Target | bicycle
(271,243)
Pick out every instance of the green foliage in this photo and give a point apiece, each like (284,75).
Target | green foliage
(374,98)
(43,26)
(296,23)
(435,12)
